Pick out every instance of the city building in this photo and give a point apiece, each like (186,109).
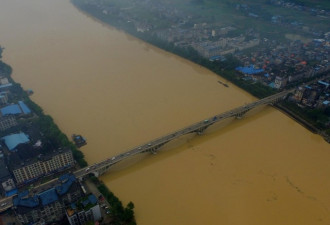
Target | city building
(3,98)
(11,141)
(7,187)
(16,109)
(48,206)
(280,82)
(26,171)
(84,210)
(7,122)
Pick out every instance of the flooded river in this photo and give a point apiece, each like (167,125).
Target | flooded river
(120,92)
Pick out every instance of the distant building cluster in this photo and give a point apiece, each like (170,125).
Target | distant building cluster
(224,46)
(278,65)
(316,95)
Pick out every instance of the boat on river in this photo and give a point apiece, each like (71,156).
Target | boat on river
(224,84)
(79,140)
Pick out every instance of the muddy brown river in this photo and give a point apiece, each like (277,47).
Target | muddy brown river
(120,92)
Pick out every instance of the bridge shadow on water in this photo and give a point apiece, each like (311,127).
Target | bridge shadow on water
(184,143)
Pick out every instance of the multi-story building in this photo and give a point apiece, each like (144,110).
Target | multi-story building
(48,206)
(3,97)
(85,210)
(7,122)
(6,180)
(280,82)
(25,171)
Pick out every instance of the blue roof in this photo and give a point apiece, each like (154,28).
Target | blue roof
(86,202)
(92,199)
(11,192)
(11,110)
(64,177)
(23,193)
(73,206)
(26,202)
(24,107)
(13,140)
(272,85)
(48,197)
(249,70)
(64,187)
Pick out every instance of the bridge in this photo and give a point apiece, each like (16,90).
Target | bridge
(153,146)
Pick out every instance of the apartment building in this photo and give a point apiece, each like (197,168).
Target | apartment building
(47,207)
(31,169)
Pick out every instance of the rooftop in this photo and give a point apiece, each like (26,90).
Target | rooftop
(249,70)
(66,184)
(26,201)
(24,107)
(44,198)
(11,110)
(15,109)
(13,140)
(49,196)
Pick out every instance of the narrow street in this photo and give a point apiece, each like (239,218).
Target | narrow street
(104,205)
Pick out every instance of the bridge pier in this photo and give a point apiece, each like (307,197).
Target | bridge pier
(155,148)
(200,130)
(241,114)
(101,171)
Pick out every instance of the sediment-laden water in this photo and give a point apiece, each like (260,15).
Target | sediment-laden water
(120,92)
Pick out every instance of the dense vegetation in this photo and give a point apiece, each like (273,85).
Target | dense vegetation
(316,117)
(119,214)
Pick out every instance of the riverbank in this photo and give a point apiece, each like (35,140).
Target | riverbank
(51,132)
(303,122)
(225,69)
